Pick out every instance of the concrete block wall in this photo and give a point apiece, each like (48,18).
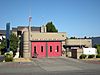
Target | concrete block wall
(26,50)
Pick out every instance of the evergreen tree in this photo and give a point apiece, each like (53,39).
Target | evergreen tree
(50,27)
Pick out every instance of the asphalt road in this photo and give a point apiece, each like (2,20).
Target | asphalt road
(50,66)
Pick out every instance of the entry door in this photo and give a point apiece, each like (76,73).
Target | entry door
(39,48)
(74,53)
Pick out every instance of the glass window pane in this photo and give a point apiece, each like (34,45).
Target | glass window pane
(34,49)
(50,48)
(57,48)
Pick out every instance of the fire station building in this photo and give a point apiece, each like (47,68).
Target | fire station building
(37,42)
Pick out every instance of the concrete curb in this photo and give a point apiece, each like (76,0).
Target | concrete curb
(22,60)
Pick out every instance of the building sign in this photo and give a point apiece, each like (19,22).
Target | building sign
(8,35)
(89,51)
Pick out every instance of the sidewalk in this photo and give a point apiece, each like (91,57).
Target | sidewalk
(22,60)
(94,59)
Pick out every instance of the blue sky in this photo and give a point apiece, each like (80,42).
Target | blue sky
(75,17)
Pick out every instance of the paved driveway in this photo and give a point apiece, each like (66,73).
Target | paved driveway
(48,66)
(64,64)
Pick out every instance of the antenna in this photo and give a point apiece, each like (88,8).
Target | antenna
(30,21)
(30,18)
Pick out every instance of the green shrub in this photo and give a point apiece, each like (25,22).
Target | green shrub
(98,56)
(91,56)
(83,56)
(8,57)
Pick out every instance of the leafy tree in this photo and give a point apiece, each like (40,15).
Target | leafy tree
(3,46)
(50,27)
(85,37)
(13,44)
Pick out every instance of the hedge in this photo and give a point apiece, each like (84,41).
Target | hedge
(98,56)
(91,56)
(83,56)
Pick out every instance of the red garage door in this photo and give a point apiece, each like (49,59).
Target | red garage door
(39,48)
(54,49)
(49,49)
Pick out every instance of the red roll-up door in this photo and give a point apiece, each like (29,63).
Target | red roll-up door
(54,49)
(39,48)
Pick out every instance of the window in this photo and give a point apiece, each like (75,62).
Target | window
(41,48)
(50,48)
(34,49)
(57,48)
(19,32)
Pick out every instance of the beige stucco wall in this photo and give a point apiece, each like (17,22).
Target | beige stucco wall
(48,36)
(86,42)
(79,52)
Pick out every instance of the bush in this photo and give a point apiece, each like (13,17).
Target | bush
(98,56)
(91,56)
(83,56)
(8,57)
